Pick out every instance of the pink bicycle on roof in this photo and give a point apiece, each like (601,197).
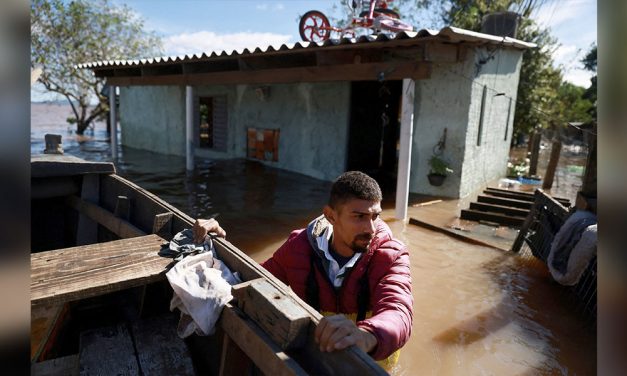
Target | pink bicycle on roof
(375,16)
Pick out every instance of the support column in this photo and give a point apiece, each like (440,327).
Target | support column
(113,122)
(189,127)
(406,139)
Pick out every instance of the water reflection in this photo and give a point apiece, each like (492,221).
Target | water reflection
(477,310)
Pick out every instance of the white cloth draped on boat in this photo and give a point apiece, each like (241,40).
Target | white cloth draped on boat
(202,286)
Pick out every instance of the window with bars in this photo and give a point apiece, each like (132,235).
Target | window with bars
(213,123)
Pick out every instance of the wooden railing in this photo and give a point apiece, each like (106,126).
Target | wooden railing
(536,235)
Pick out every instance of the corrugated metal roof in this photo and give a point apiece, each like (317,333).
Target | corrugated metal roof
(447,34)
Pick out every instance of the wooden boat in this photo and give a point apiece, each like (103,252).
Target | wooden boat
(100,300)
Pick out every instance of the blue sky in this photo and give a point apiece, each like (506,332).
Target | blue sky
(192,26)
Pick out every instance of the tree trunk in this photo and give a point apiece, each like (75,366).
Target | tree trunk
(81,125)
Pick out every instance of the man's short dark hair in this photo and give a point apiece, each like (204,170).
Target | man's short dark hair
(354,184)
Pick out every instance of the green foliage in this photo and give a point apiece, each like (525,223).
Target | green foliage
(65,34)
(572,106)
(439,166)
(590,64)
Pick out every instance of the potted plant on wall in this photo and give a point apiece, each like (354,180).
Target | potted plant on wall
(438,170)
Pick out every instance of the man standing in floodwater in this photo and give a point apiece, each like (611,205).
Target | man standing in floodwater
(347,265)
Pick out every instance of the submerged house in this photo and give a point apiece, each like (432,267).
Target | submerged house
(380,104)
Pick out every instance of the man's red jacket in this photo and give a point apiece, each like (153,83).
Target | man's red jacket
(389,282)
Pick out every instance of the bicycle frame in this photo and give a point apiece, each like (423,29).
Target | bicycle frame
(375,19)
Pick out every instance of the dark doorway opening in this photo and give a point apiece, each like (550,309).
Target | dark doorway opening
(374,131)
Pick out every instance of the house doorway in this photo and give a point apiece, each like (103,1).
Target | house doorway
(374,130)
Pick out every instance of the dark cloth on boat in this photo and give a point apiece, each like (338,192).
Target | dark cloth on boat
(182,245)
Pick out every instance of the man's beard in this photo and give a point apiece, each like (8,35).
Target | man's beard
(361,237)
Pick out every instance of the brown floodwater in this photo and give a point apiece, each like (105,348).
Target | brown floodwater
(477,310)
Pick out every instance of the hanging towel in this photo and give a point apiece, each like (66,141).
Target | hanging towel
(202,286)
(573,247)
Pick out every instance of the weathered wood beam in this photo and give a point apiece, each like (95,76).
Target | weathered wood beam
(75,273)
(340,57)
(505,202)
(118,226)
(280,316)
(490,190)
(521,196)
(475,215)
(53,187)
(256,344)
(345,72)
(515,212)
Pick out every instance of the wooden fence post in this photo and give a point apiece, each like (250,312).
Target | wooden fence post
(535,152)
(556,149)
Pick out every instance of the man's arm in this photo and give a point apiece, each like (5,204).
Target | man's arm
(392,312)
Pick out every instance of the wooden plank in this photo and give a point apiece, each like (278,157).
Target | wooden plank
(45,323)
(159,349)
(475,215)
(467,239)
(515,212)
(163,225)
(123,208)
(562,200)
(104,217)
(518,242)
(505,202)
(53,187)
(46,165)
(75,273)
(233,361)
(343,72)
(87,231)
(107,351)
(516,196)
(257,345)
(145,204)
(64,366)
(276,313)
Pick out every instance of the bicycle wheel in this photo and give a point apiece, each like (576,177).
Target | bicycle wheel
(314,26)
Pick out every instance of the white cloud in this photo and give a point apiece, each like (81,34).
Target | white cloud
(263,6)
(569,58)
(565,55)
(208,41)
(279,6)
(578,77)
(555,12)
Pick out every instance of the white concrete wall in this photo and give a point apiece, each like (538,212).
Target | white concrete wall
(153,118)
(441,102)
(488,161)
(312,118)
(451,98)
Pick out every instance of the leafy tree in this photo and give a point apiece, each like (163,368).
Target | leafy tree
(590,64)
(573,106)
(65,34)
